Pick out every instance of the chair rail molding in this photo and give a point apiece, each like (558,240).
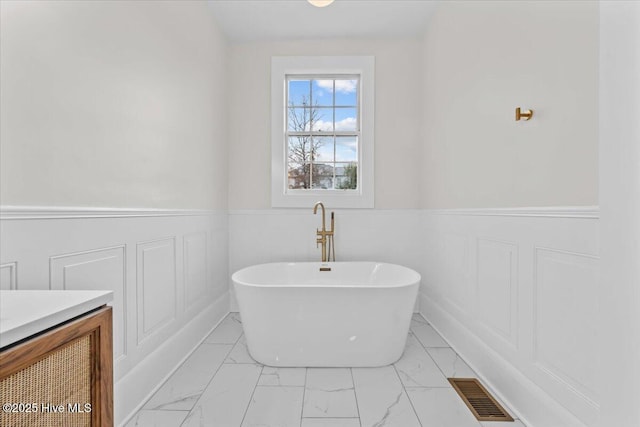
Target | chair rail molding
(589,212)
(66,212)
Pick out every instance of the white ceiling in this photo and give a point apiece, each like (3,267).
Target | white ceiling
(251,20)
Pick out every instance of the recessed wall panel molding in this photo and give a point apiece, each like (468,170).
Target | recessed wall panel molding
(99,269)
(497,288)
(457,291)
(196,278)
(565,325)
(156,286)
(150,259)
(217,257)
(533,304)
(9,276)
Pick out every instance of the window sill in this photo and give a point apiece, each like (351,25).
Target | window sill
(331,198)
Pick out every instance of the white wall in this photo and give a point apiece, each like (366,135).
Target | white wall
(506,287)
(515,290)
(118,104)
(397,112)
(152,134)
(482,59)
(114,104)
(258,233)
(619,293)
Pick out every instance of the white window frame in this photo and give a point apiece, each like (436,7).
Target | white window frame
(283,66)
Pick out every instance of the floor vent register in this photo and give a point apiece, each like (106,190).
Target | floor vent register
(483,406)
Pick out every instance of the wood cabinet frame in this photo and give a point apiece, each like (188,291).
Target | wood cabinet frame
(97,324)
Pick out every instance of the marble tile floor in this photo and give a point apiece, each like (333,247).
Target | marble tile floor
(220,385)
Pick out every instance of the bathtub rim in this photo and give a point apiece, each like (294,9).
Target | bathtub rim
(414,281)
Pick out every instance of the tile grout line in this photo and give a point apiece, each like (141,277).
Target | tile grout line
(269,385)
(331,418)
(257,380)
(304,393)
(232,346)
(214,374)
(426,349)
(252,393)
(355,394)
(177,368)
(429,354)
(434,330)
(407,394)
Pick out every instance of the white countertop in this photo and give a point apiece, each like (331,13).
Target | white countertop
(25,313)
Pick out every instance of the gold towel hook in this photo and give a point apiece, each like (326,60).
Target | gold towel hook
(523,115)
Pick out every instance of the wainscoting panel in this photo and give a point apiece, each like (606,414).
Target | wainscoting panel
(9,276)
(497,288)
(169,289)
(456,273)
(95,270)
(195,269)
(528,325)
(565,323)
(156,286)
(513,290)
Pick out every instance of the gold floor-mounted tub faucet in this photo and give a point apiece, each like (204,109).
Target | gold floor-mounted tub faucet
(325,237)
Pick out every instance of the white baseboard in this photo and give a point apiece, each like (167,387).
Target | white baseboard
(522,396)
(135,388)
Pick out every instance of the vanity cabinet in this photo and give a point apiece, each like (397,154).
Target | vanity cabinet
(62,376)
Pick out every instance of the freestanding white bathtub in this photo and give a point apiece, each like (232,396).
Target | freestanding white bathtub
(355,315)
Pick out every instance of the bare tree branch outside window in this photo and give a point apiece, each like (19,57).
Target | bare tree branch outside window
(302,148)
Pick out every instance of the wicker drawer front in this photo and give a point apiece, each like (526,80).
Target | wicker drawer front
(60,381)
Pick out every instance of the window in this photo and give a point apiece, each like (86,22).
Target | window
(322,132)
(322,137)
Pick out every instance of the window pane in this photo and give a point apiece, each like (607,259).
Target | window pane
(299,176)
(299,92)
(299,119)
(347,93)
(322,176)
(299,150)
(346,119)
(322,92)
(323,147)
(321,119)
(347,176)
(324,105)
(346,149)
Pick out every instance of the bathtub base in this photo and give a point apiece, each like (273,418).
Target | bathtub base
(315,327)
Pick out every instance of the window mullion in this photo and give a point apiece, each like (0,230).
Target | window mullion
(314,136)
(311,163)
(333,139)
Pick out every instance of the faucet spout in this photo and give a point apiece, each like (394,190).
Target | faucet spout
(315,210)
